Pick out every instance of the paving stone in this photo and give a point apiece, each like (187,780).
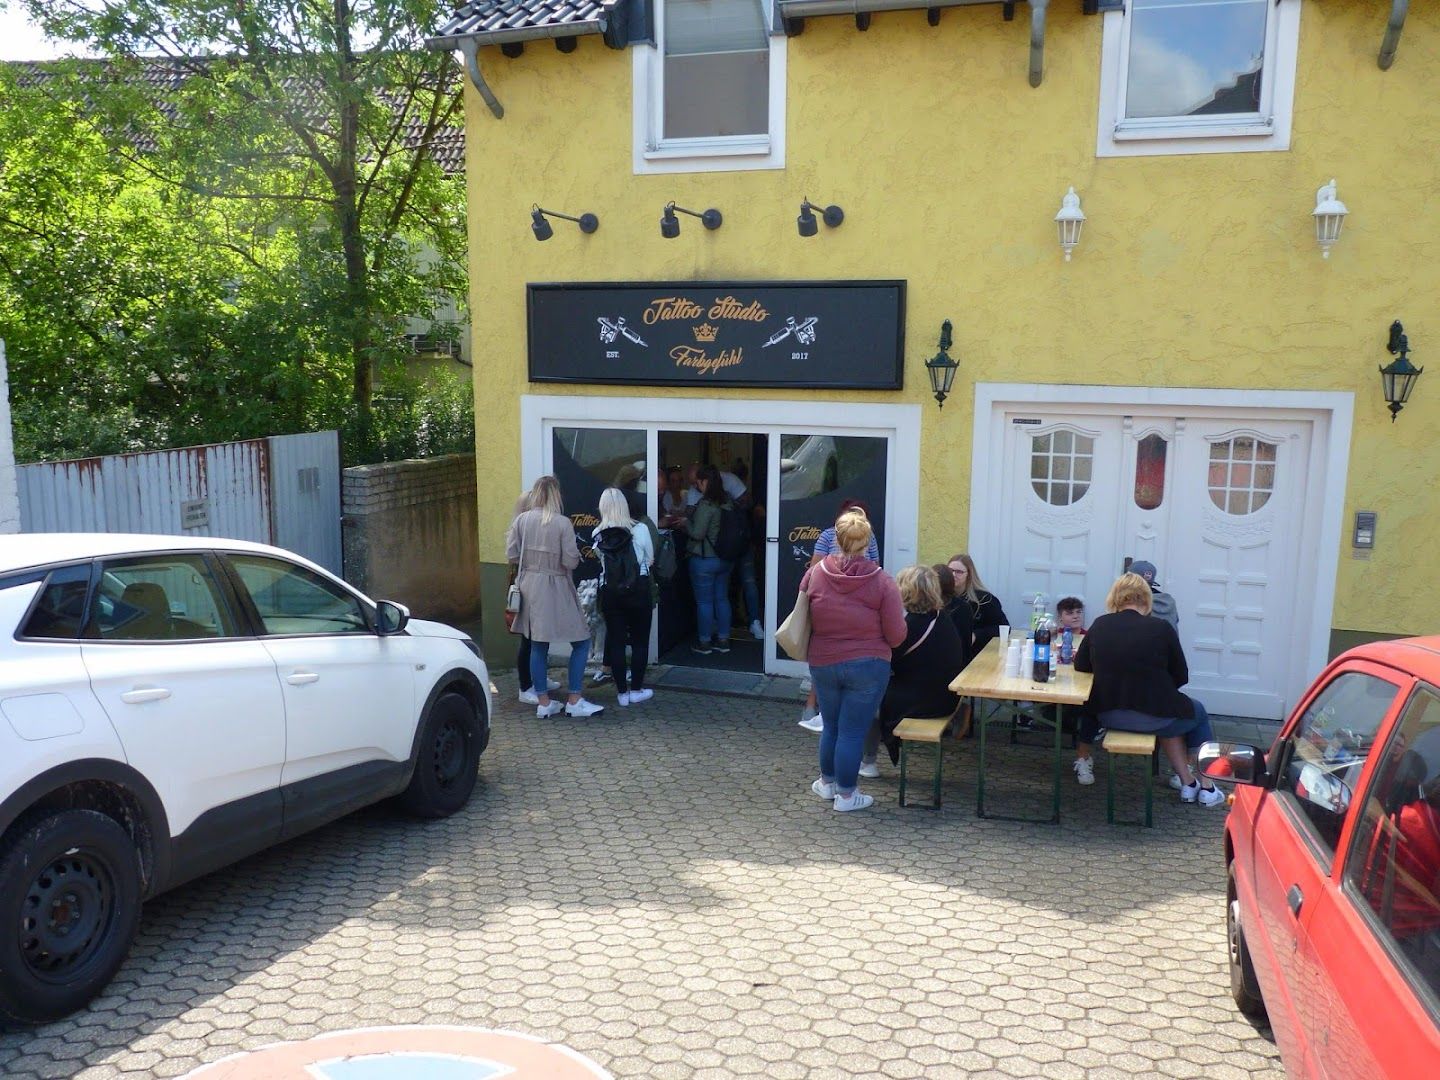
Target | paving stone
(666,931)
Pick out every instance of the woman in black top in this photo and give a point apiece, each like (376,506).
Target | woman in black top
(923,665)
(987,616)
(958,608)
(1139,668)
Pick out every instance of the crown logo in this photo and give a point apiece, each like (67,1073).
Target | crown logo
(706,332)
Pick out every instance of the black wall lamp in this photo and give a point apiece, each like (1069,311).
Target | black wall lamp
(942,367)
(806,223)
(541,228)
(670,224)
(1398,377)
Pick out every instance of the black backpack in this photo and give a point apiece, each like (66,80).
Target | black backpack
(620,579)
(734,535)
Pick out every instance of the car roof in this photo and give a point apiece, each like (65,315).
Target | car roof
(1419,656)
(19,551)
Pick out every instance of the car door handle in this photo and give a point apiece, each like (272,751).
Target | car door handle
(1296,899)
(301,678)
(142,694)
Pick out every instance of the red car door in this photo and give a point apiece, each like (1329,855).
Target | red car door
(1317,762)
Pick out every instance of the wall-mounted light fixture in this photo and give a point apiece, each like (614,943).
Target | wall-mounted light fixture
(1070,220)
(541,228)
(942,367)
(670,224)
(806,223)
(1329,214)
(1398,377)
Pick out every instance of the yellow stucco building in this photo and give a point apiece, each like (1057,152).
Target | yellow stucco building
(1196,386)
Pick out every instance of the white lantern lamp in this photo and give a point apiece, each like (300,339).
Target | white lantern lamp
(1070,220)
(1329,218)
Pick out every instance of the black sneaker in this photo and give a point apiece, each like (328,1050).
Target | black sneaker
(702,648)
(722,646)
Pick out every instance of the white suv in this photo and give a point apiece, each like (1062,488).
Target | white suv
(171,704)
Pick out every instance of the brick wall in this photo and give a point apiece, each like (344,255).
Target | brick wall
(410,530)
(9,494)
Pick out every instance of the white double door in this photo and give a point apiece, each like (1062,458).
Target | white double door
(1217,502)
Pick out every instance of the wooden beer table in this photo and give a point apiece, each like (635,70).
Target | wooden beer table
(985,678)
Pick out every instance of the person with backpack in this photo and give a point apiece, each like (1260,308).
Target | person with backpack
(717,535)
(627,553)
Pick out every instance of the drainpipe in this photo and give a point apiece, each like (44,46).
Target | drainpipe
(1398,10)
(471,50)
(1037,39)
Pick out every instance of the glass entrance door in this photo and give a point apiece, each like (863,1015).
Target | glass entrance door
(816,473)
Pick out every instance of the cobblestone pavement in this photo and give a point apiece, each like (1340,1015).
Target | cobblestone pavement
(659,889)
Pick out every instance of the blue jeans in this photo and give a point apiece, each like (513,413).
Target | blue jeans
(749,587)
(1196,730)
(710,578)
(540,657)
(849,694)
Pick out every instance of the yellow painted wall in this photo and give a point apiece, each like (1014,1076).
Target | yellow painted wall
(1194,271)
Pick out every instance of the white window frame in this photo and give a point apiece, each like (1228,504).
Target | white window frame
(733,153)
(1162,135)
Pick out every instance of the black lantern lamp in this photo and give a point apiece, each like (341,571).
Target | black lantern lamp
(942,367)
(806,222)
(670,224)
(1398,377)
(541,228)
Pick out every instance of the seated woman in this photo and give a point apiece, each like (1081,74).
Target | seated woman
(986,614)
(922,666)
(1139,668)
(958,608)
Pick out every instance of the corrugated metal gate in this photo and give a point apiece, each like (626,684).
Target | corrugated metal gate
(284,490)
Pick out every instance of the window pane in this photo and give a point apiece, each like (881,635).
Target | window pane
(165,598)
(1328,750)
(294,600)
(1195,57)
(1150,471)
(1060,468)
(1082,468)
(1040,444)
(1394,860)
(1042,489)
(1066,459)
(1236,485)
(1064,442)
(717,68)
(61,606)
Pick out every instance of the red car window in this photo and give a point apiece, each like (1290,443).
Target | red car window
(1394,861)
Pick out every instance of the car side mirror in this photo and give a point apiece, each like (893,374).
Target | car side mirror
(390,617)
(1235,763)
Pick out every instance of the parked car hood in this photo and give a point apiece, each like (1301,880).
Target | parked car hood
(426,628)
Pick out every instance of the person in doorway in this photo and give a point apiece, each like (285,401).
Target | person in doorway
(672,499)
(1163,602)
(627,553)
(987,616)
(522,653)
(856,619)
(541,542)
(1139,668)
(810,718)
(921,668)
(710,574)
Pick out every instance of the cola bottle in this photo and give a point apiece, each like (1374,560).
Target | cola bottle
(1041,667)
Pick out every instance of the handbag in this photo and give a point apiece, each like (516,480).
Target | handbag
(794,633)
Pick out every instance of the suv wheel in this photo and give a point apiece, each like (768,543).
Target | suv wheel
(69,907)
(1244,987)
(448,761)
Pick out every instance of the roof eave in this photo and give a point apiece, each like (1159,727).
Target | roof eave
(524,33)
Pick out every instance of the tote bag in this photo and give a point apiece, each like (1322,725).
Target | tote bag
(794,633)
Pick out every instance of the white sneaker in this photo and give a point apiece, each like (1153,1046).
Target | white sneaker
(622,698)
(811,721)
(583,708)
(1204,796)
(1084,770)
(552,684)
(553,709)
(637,696)
(1175,781)
(869,770)
(756,630)
(529,697)
(856,800)
(825,789)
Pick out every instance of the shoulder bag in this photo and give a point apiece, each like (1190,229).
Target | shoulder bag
(513,600)
(794,633)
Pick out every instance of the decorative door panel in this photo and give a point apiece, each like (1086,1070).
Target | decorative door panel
(1060,510)
(1147,491)
(1235,546)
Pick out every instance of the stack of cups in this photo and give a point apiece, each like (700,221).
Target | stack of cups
(1014,659)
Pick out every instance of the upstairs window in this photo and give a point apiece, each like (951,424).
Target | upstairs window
(1198,76)
(710,94)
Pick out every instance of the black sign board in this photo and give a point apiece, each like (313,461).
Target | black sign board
(840,335)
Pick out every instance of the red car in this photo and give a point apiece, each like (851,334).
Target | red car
(1333,850)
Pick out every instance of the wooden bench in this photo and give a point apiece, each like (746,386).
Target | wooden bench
(1136,744)
(922,730)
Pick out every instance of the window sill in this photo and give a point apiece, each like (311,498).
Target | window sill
(738,146)
(1132,131)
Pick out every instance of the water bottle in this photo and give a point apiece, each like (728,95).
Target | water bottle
(1040,612)
(1054,651)
(1067,646)
(1040,667)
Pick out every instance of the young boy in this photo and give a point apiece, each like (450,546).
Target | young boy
(1070,614)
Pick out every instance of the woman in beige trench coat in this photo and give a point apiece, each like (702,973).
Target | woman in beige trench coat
(542,542)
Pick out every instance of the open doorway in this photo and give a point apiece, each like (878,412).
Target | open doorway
(741,458)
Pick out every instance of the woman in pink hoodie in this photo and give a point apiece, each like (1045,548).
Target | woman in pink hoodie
(856,618)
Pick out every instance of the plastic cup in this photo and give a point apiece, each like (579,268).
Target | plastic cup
(1004,638)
